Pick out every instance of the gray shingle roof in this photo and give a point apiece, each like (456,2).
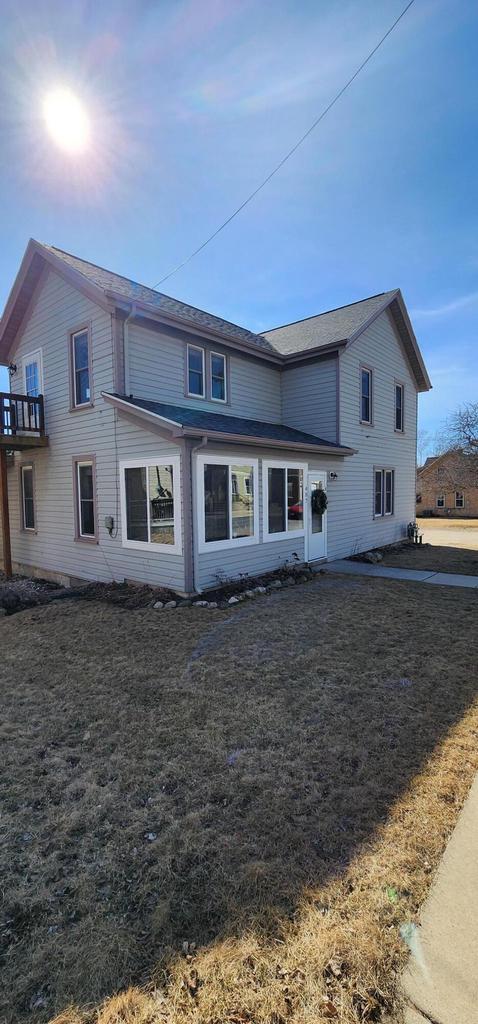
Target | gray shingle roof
(215,422)
(326,328)
(109,281)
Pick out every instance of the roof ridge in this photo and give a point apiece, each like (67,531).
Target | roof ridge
(131,280)
(324,312)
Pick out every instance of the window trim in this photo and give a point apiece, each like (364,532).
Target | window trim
(232,542)
(27,529)
(442,498)
(84,328)
(198,348)
(31,357)
(280,464)
(84,460)
(222,401)
(148,545)
(383,470)
(366,369)
(462,493)
(401,385)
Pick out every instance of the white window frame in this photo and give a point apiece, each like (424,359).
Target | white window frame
(146,545)
(220,355)
(401,429)
(383,470)
(462,495)
(196,348)
(30,468)
(440,501)
(32,357)
(279,464)
(233,542)
(369,422)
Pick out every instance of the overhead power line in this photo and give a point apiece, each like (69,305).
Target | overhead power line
(291,151)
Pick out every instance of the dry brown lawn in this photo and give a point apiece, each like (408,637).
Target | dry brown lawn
(217,817)
(435,557)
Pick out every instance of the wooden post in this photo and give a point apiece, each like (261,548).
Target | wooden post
(7,548)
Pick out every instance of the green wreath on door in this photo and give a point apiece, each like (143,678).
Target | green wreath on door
(318,501)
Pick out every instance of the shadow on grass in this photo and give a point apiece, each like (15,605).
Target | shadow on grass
(173,778)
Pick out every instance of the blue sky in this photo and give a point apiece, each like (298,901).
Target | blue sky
(193,103)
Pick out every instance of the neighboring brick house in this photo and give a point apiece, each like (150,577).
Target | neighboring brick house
(447,485)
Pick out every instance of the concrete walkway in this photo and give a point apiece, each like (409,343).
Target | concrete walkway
(441,980)
(443,579)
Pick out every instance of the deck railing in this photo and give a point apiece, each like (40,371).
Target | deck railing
(21,414)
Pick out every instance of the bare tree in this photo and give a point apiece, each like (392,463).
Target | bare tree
(423,444)
(459,438)
(462,427)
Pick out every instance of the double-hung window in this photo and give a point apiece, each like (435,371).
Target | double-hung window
(384,492)
(459,499)
(196,383)
(85,493)
(365,395)
(227,502)
(399,407)
(218,377)
(28,501)
(283,490)
(440,501)
(80,357)
(151,504)
(32,374)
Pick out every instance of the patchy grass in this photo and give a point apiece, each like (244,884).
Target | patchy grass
(233,813)
(433,557)
(443,523)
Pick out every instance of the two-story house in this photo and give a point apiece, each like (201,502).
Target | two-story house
(158,443)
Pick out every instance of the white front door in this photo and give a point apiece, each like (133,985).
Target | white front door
(317,522)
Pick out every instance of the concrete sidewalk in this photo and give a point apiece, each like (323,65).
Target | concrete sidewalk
(441,980)
(444,579)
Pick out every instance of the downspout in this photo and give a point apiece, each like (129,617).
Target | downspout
(131,316)
(193,471)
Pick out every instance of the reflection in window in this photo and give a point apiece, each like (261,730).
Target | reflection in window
(285,499)
(195,371)
(228,501)
(149,500)
(218,377)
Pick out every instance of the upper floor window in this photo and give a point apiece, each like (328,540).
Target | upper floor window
(196,376)
(365,395)
(32,374)
(459,499)
(399,403)
(81,367)
(218,377)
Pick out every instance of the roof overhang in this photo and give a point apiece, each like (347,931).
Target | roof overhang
(398,311)
(177,430)
(33,264)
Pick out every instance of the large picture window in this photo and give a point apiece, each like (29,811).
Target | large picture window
(227,502)
(150,503)
(384,492)
(283,487)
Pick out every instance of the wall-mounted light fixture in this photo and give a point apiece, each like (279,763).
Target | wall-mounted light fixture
(12,369)
(333,476)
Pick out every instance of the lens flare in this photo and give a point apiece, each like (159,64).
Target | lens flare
(66,120)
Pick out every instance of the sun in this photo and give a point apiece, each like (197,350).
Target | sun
(66,120)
